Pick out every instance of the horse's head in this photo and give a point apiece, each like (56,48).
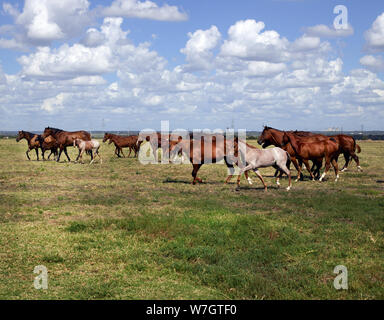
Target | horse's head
(106,137)
(20,135)
(266,138)
(47,132)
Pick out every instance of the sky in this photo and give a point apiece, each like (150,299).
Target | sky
(130,64)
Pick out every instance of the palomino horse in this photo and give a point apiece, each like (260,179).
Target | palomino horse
(200,152)
(256,158)
(65,138)
(121,142)
(34,142)
(306,150)
(87,146)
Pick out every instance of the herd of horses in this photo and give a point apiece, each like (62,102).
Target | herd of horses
(297,147)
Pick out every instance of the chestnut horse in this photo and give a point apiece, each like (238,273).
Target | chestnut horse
(347,144)
(34,142)
(121,142)
(198,153)
(307,149)
(65,138)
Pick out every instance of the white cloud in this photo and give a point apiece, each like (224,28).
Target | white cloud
(247,41)
(375,35)
(324,31)
(306,43)
(43,21)
(55,104)
(145,10)
(375,64)
(198,49)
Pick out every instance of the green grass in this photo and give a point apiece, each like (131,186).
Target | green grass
(122,230)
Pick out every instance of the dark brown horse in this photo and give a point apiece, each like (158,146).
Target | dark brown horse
(34,142)
(121,142)
(307,148)
(200,151)
(65,138)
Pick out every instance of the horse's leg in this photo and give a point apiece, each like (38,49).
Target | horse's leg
(196,168)
(336,168)
(97,152)
(78,156)
(306,163)
(243,170)
(121,149)
(261,178)
(66,153)
(27,153)
(327,166)
(347,158)
(92,159)
(297,167)
(60,152)
(356,158)
(130,150)
(37,153)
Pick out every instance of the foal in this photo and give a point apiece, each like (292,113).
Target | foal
(87,146)
(255,158)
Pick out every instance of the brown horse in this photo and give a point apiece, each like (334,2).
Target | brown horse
(34,142)
(200,151)
(65,138)
(309,149)
(50,143)
(121,142)
(156,140)
(347,144)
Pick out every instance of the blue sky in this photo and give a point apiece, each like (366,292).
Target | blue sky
(128,64)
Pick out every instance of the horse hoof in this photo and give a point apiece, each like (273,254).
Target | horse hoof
(237,189)
(288,188)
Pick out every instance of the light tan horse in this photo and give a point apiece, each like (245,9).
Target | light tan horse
(87,146)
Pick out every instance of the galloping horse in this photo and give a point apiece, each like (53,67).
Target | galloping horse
(65,138)
(34,142)
(198,152)
(306,149)
(261,158)
(121,142)
(87,146)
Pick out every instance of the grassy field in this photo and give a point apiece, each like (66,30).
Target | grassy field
(123,230)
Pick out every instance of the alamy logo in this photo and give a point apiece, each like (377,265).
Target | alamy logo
(41,281)
(341,20)
(341,281)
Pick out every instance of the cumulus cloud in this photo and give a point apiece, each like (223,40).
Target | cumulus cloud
(324,31)
(246,40)
(42,21)
(99,55)
(198,49)
(375,35)
(373,63)
(145,10)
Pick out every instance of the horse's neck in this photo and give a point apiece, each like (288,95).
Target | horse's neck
(293,143)
(277,136)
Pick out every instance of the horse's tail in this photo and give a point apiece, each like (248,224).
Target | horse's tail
(358,148)
(288,164)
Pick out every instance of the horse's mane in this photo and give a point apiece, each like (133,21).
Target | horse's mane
(247,144)
(55,130)
(29,134)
